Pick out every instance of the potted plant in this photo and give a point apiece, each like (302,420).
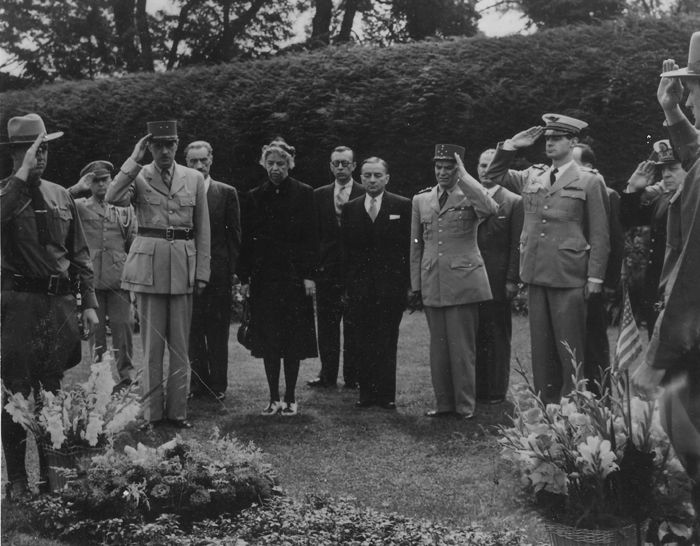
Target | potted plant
(74,424)
(598,468)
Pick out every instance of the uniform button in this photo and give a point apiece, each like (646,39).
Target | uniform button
(542,234)
(170,212)
(440,242)
(439,253)
(544,221)
(546,207)
(651,251)
(439,231)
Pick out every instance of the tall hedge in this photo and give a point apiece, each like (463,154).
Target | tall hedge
(394,102)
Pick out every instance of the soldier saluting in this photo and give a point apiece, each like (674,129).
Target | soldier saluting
(564,246)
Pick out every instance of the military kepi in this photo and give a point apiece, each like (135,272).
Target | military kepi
(693,68)
(663,153)
(162,130)
(101,169)
(25,129)
(448,151)
(558,125)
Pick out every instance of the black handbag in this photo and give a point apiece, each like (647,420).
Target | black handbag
(245,332)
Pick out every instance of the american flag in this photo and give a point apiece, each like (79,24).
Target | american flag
(629,343)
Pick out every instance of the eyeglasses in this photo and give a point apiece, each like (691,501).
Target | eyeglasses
(341,163)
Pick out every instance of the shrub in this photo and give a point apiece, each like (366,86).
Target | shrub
(392,102)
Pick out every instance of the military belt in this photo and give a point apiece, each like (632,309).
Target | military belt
(169,234)
(55,285)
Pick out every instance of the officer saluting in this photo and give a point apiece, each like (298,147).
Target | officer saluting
(564,246)
(448,275)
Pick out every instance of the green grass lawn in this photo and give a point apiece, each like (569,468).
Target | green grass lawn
(400,461)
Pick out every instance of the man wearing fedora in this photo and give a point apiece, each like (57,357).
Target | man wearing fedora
(673,355)
(109,230)
(564,246)
(168,260)
(449,278)
(646,203)
(44,256)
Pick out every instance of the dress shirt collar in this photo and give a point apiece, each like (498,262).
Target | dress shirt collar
(492,190)
(338,187)
(561,169)
(368,199)
(207,183)
(170,171)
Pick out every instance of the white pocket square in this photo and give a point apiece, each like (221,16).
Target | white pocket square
(394,216)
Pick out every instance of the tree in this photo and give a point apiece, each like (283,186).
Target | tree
(554,13)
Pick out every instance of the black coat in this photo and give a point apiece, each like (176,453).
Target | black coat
(279,251)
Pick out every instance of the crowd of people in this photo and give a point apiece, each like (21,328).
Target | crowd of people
(167,240)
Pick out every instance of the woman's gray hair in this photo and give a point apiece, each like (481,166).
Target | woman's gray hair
(280,146)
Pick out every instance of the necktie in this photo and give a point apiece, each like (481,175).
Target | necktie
(340,200)
(165,175)
(443,199)
(373,209)
(40,212)
(553,176)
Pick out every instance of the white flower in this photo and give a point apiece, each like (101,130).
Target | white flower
(596,457)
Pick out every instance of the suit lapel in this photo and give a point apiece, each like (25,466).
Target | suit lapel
(570,175)
(178,181)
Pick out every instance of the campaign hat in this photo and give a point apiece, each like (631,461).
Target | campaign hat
(560,125)
(663,153)
(448,151)
(25,129)
(693,68)
(101,169)
(162,130)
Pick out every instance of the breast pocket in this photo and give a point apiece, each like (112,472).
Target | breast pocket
(532,195)
(426,223)
(572,202)
(59,219)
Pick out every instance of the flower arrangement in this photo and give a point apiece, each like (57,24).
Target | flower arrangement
(182,481)
(597,462)
(87,415)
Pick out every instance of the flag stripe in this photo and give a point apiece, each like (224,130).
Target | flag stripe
(629,342)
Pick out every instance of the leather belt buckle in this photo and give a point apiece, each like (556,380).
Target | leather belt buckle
(170,234)
(54,285)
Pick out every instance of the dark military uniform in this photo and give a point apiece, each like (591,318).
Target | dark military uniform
(40,333)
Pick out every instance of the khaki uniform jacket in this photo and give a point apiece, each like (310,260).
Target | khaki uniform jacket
(446,264)
(155,265)
(565,238)
(109,231)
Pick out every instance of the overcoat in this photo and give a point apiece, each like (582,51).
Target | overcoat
(225,219)
(565,238)
(155,265)
(279,251)
(446,264)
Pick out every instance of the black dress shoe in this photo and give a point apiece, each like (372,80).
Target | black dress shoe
(388,405)
(436,413)
(180,423)
(320,383)
(364,403)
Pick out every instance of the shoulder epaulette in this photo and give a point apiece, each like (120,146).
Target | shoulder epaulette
(425,190)
(540,166)
(589,169)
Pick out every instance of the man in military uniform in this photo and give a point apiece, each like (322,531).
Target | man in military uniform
(211,316)
(167,261)
(109,231)
(645,203)
(449,278)
(44,254)
(564,247)
(499,242)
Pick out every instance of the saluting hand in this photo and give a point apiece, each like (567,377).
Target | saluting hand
(642,176)
(29,162)
(527,137)
(140,148)
(85,182)
(670,90)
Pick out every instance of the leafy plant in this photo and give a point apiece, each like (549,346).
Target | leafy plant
(596,462)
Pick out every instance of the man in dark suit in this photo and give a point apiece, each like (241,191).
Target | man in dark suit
(330,288)
(211,311)
(375,236)
(564,246)
(498,238)
(597,353)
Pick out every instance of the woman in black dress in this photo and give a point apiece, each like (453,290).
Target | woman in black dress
(278,257)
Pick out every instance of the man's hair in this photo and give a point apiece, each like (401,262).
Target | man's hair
(587,153)
(199,144)
(379,160)
(344,149)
